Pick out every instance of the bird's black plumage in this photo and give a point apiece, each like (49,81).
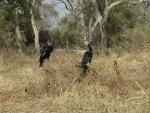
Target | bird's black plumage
(87,58)
(45,53)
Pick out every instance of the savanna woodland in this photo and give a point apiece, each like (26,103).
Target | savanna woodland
(74,56)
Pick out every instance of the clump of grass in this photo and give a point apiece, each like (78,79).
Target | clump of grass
(53,89)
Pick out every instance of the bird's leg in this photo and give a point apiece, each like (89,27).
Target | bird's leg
(41,60)
(84,70)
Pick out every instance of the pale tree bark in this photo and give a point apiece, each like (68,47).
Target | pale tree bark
(87,31)
(17,30)
(84,28)
(90,33)
(102,17)
(71,6)
(84,33)
(35,29)
(101,20)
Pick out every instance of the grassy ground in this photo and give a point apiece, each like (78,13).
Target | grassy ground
(107,88)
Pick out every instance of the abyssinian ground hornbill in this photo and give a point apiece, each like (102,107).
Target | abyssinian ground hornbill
(45,53)
(87,58)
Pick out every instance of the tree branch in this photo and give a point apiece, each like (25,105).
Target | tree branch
(136,1)
(106,3)
(125,1)
(70,4)
(67,4)
(99,18)
(33,2)
(115,4)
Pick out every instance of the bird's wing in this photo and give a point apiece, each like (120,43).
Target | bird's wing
(43,50)
(91,56)
(85,58)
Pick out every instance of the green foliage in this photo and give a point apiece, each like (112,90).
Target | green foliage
(68,33)
(19,43)
(133,39)
(8,21)
(6,29)
(119,19)
(55,35)
(124,29)
(17,13)
(30,50)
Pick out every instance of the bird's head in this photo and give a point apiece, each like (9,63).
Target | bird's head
(88,43)
(49,43)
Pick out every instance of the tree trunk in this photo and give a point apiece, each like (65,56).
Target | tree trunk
(84,30)
(90,31)
(18,33)
(103,37)
(35,30)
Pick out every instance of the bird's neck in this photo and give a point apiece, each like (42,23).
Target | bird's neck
(90,48)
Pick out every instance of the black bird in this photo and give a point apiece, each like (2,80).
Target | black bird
(45,53)
(87,58)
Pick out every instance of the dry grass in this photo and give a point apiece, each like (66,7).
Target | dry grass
(26,89)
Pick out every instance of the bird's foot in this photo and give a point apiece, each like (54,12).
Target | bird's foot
(41,67)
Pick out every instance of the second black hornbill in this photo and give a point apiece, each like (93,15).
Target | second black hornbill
(87,58)
(45,53)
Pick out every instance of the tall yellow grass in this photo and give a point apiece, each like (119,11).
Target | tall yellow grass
(24,88)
